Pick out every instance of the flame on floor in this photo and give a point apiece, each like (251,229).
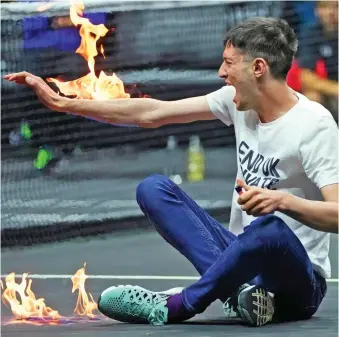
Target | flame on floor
(85,304)
(27,305)
(28,309)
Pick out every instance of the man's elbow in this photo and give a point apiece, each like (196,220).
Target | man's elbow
(154,117)
(149,121)
(333,216)
(330,228)
(334,229)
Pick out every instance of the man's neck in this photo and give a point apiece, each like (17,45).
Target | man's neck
(276,99)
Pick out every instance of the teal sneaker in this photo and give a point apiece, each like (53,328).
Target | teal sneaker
(134,304)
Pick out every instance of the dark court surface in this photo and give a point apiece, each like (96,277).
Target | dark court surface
(131,255)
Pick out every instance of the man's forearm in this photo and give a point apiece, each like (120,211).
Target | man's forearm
(136,111)
(311,81)
(320,215)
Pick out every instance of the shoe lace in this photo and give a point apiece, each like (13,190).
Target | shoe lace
(157,316)
(228,307)
(231,304)
(147,305)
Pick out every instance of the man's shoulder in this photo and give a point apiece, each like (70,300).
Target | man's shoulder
(312,118)
(314,121)
(221,104)
(312,111)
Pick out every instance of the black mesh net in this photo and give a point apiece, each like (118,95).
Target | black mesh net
(168,50)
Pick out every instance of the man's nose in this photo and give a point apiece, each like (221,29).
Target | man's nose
(222,72)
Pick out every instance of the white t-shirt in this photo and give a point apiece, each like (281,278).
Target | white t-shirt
(296,153)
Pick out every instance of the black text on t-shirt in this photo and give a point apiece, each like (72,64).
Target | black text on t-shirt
(256,169)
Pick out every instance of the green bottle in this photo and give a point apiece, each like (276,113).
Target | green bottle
(25,130)
(43,158)
(196,160)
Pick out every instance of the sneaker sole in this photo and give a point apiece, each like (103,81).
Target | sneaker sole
(255,306)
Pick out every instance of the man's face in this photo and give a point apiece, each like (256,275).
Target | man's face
(328,14)
(237,71)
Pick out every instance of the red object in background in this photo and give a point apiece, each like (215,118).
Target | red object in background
(294,75)
(320,69)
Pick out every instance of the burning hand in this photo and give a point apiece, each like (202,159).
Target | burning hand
(89,86)
(258,201)
(46,95)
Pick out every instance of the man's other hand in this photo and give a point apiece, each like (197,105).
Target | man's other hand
(258,201)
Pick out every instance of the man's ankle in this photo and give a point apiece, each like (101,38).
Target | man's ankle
(177,311)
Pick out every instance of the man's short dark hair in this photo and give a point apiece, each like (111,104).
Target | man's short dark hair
(269,38)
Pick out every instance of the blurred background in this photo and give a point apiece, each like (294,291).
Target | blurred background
(65,176)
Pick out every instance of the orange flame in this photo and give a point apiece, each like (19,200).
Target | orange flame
(90,86)
(84,305)
(29,310)
(29,306)
(102,51)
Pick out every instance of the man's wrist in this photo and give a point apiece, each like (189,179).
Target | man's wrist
(285,202)
(64,104)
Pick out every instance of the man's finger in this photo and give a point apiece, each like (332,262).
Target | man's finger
(29,80)
(252,203)
(263,211)
(22,74)
(257,209)
(8,76)
(242,184)
(246,196)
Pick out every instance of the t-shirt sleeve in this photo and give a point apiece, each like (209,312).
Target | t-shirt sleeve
(221,104)
(319,152)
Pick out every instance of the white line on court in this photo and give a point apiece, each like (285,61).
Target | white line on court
(124,277)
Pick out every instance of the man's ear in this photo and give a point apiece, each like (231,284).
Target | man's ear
(259,67)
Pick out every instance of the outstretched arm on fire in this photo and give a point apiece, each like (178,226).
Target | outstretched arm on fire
(145,112)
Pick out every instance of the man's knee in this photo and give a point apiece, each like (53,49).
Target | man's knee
(268,229)
(148,190)
(270,222)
